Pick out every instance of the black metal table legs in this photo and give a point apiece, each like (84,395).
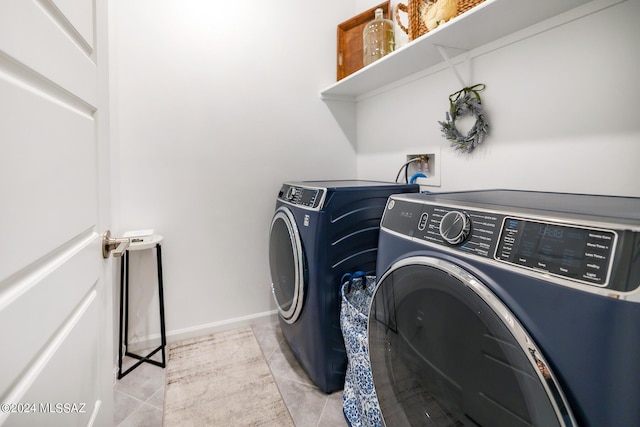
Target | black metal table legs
(124,315)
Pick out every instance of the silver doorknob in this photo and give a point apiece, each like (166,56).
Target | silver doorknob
(117,246)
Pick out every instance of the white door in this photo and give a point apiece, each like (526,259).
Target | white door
(56,356)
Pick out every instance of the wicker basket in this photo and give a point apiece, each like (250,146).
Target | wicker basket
(416,27)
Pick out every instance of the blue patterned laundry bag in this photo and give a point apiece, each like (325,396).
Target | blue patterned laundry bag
(359,402)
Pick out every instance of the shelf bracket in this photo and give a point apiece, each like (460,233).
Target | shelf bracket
(444,55)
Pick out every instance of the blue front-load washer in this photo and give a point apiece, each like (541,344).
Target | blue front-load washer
(508,308)
(320,231)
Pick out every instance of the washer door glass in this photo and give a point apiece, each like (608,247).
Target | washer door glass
(446,352)
(286,261)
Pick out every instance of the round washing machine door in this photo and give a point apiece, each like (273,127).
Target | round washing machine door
(445,351)
(286,261)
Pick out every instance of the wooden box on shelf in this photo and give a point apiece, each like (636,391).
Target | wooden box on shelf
(349,59)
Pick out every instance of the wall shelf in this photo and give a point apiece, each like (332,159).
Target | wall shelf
(489,21)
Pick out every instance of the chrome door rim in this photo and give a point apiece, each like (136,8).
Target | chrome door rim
(292,314)
(530,349)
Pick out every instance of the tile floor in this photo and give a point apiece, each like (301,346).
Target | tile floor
(139,397)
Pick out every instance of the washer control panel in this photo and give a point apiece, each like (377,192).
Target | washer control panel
(302,196)
(455,227)
(578,253)
(570,251)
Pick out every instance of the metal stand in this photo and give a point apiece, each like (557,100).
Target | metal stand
(124,314)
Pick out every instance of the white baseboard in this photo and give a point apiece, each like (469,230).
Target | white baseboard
(202,330)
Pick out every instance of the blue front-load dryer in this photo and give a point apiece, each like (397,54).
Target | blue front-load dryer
(321,230)
(508,308)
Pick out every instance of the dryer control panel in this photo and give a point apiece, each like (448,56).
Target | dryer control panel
(575,252)
(311,198)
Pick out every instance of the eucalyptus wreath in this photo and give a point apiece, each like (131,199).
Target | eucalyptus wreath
(463,103)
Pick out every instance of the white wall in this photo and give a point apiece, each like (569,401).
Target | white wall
(562,105)
(215,104)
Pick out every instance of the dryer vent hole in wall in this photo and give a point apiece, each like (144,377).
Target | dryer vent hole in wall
(419,165)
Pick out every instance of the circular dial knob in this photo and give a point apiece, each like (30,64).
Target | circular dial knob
(455,227)
(291,193)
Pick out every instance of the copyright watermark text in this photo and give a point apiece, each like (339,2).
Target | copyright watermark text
(48,408)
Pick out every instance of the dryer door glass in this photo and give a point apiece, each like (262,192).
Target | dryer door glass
(446,352)
(286,262)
